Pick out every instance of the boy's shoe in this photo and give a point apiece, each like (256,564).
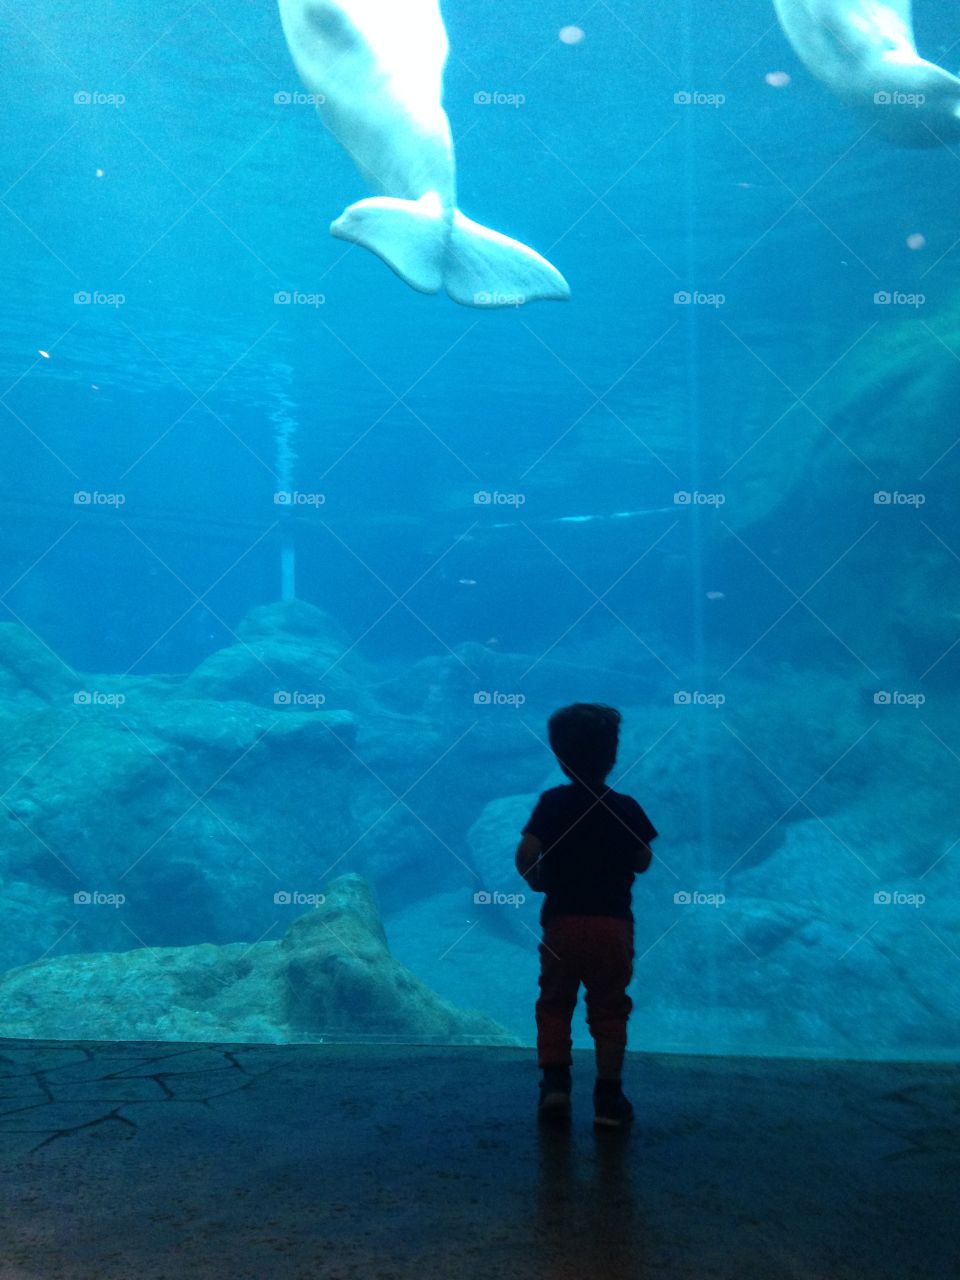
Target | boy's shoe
(554,1094)
(611,1108)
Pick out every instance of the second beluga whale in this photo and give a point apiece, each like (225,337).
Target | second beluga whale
(866,53)
(376,70)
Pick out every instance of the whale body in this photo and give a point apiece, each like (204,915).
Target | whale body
(866,53)
(376,70)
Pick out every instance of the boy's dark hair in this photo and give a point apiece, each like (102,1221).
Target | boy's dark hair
(584,737)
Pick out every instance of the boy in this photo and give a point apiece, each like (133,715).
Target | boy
(582,847)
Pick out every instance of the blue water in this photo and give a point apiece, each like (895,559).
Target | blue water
(199,199)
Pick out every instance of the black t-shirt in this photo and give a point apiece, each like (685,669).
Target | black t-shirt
(590,844)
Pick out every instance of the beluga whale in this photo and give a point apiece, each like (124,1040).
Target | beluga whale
(866,53)
(375,68)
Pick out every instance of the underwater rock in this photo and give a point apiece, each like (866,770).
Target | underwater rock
(29,671)
(290,618)
(820,949)
(864,471)
(239,730)
(340,976)
(181,805)
(199,809)
(493,841)
(288,655)
(331,977)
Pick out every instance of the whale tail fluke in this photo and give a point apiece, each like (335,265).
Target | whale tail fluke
(409,235)
(486,269)
(431,248)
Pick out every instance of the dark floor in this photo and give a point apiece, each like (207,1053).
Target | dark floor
(150,1162)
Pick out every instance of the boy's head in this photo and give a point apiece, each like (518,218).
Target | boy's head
(584,737)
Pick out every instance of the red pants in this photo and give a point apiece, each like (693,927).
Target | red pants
(597,951)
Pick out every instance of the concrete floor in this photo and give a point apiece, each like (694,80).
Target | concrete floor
(126,1161)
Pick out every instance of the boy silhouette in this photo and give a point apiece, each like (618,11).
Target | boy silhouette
(582,847)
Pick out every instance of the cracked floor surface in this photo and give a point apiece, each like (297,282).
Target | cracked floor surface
(340,1162)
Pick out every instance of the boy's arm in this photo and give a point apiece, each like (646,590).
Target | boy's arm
(528,860)
(642,858)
